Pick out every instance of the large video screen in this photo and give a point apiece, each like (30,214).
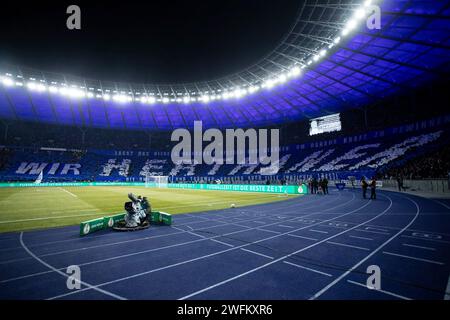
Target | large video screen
(325,124)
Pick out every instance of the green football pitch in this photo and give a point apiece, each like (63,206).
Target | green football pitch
(44,207)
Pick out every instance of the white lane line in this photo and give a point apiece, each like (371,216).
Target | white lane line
(323,290)
(224,243)
(447,291)
(302,237)
(380,290)
(282,225)
(271,231)
(362,238)
(65,275)
(419,247)
(260,222)
(413,258)
(347,245)
(306,268)
(318,231)
(426,239)
(257,253)
(377,229)
(66,191)
(376,232)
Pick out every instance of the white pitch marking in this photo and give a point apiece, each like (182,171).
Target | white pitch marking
(319,231)
(260,222)
(380,290)
(362,238)
(65,274)
(257,253)
(413,258)
(73,195)
(377,229)
(347,245)
(309,269)
(46,218)
(302,237)
(419,247)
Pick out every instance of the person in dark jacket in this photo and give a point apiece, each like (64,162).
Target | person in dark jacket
(364,186)
(373,186)
(325,185)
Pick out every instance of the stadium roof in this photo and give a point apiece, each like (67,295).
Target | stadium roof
(328,62)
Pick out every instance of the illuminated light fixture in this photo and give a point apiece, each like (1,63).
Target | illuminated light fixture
(295,71)
(36,86)
(178,100)
(151,100)
(360,13)
(316,57)
(7,82)
(144,99)
(269,84)
(345,32)
(253,89)
(309,62)
(90,95)
(337,40)
(351,24)
(53,89)
(226,95)
(367,3)
(205,98)
(323,52)
(165,100)
(106,97)
(120,98)
(281,78)
(186,99)
(20,84)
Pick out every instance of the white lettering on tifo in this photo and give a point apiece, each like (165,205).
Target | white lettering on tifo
(241,146)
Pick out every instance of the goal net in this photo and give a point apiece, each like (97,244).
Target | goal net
(156,181)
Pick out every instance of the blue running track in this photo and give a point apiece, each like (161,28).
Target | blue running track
(311,247)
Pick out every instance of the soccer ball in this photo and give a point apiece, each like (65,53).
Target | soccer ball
(233,205)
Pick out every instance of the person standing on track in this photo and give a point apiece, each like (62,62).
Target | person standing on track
(373,186)
(364,186)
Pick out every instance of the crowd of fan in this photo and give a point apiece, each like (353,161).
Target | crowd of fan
(434,166)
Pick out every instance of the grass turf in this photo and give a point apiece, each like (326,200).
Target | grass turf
(44,207)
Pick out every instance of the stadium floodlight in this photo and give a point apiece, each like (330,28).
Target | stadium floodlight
(120,98)
(20,84)
(106,97)
(7,82)
(144,99)
(90,95)
(253,89)
(205,98)
(323,53)
(53,89)
(36,86)
(281,78)
(186,99)
(269,84)
(165,100)
(360,13)
(151,100)
(337,40)
(295,71)
(316,57)
(367,3)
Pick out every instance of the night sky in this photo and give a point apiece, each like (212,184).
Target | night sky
(146,41)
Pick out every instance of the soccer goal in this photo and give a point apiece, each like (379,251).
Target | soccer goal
(156,181)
